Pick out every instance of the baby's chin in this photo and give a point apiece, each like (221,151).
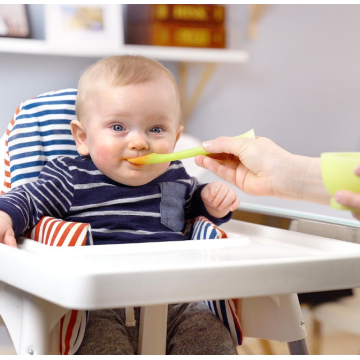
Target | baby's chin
(139,178)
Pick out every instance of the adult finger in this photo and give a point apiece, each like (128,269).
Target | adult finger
(217,168)
(228,145)
(348,198)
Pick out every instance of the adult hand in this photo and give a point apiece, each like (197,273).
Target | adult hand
(348,198)
(260,167)
(7,235)
(249,164)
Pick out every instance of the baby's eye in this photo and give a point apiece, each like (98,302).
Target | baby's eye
(156,130)
(118,128)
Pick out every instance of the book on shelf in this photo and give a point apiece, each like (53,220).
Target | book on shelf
(175,34)
(199,13)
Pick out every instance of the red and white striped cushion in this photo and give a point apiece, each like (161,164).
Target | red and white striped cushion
(54,232)
(6,186)
(72,331)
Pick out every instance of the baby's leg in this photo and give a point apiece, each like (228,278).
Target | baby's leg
(106,334)
(194,330)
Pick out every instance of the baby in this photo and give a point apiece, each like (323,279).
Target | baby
(127,106)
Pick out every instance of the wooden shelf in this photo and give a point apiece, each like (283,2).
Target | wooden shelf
(41,47)
(189,54)
(74,46)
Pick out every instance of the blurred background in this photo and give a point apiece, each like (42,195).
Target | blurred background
(290,72)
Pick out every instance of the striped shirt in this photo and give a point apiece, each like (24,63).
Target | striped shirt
(75,190)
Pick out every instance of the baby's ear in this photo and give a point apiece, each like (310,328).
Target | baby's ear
(79,135)
(179,132)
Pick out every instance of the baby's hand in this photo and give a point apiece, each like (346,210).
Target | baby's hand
(219,199)
(7,235)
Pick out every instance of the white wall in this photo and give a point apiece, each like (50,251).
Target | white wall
(301,87)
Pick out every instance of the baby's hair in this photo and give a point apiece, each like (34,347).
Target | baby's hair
(119,71)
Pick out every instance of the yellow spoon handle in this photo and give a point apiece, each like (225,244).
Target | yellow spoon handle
(161,158)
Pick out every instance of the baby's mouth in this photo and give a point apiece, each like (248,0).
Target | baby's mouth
(132,164)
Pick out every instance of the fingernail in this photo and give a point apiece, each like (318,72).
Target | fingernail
(338,197)
(357,170)
(207,144)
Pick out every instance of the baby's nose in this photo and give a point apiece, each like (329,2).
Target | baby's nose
(138,142)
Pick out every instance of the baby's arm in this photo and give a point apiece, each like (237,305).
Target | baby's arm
(219,199)
(22,207)
(7,235)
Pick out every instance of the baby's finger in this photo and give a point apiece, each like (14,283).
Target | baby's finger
(9,239)
(228,200)
(219,195)
(231,202)
(205,193)
(235,204)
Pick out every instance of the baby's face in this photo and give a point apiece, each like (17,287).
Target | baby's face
(131,121)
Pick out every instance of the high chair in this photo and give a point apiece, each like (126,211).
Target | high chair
(264,266)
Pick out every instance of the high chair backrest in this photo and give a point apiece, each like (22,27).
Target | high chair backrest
(39,132)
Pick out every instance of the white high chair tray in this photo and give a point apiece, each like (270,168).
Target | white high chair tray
(261,261)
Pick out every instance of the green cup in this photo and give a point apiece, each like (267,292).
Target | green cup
(337,170)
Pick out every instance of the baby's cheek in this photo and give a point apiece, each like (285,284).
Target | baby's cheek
(164,147)
(105,151)
(102,158)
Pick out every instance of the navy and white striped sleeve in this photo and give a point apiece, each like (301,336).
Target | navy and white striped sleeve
(50,195)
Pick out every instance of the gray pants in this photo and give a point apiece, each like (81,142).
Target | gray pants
(192,329)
